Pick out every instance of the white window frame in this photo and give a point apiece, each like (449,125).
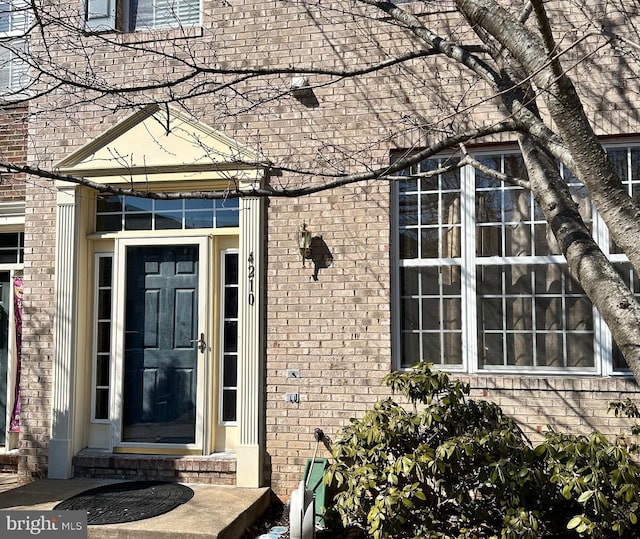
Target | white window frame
(221,353)
(602,342)
(96,321)
(10,41)
(116,15)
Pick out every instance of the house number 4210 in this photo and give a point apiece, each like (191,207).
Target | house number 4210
(251,273)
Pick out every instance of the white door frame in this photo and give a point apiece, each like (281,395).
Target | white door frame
(117,338)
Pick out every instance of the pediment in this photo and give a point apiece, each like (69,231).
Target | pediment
(163,144)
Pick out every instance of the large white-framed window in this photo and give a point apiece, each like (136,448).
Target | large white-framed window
(481,284)
(14,65)
(141,15)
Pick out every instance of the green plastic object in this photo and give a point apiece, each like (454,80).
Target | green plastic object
(313,475)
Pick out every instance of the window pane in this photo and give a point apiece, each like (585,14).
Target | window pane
(408,244)
(451,314)
(102,403)
(550,349)
(452,352)
(432,349)
(108,223)
(429,209)
(137,221)
(490,349)
(429,243)
(104,304)
(431,281)
(408,210)
(488,240)
(167,220)
(136,204)
(171,205)
(156,14)
(227,219)
(431,317)
(231,303)
(198,219)
(231,204)
(230,336)
(9,256)
(229,405)
(102,332)
(520,349)
(410,351)
(230,378)
(104,271)
(231,268)
(509,309)
(102,370)
(109,203)
(409,280)
(103,338)
(410,313)
(490,314)
(579,351)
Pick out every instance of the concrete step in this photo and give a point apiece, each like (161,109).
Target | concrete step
(214,512)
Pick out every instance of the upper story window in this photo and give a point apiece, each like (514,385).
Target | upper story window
(482,284)
(14,68)
(134,15)
(116,213)
(11,248)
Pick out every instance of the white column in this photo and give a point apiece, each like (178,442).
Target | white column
(64,355)
(251,344)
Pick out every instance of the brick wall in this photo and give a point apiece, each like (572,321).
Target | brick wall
(37,343)
(13,149)
(336,330)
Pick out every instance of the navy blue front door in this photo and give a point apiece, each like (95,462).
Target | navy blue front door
(160,362)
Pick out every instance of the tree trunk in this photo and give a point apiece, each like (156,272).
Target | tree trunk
(589,265)
(591,166)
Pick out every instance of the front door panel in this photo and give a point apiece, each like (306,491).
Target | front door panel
(161,348)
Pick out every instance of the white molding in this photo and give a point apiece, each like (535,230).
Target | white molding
(64,368)
(250,344)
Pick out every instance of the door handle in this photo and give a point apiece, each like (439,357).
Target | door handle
(202,344)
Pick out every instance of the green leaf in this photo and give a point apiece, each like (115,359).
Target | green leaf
(585,496)
(574,523)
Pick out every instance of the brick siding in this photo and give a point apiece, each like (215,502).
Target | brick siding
(337,330)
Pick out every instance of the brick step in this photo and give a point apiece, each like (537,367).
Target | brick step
(9,462)
(216,469)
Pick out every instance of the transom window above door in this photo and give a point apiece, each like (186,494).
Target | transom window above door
(116,213)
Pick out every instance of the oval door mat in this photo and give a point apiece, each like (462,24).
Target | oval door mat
(128,502)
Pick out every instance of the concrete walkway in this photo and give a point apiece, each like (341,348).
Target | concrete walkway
(213,512)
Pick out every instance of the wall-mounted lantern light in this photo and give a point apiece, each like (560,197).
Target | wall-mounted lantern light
(304,242)
(300,87)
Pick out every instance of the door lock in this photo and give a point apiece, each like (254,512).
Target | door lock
(202,344)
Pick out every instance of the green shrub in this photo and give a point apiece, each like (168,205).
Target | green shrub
(443,465)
